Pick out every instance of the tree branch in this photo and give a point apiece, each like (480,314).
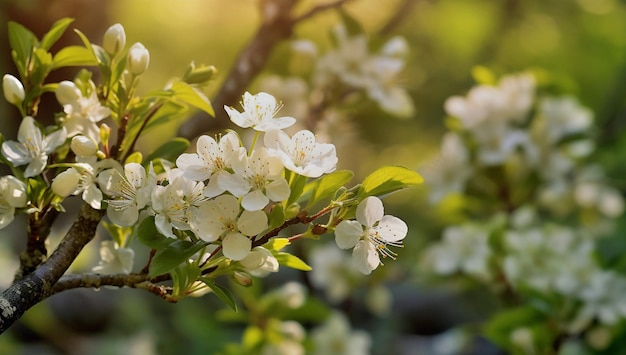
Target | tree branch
(277,25)
(35,287)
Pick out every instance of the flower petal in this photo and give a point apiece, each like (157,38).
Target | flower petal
(391,229)
(252,223)
(370,211)
(348,233)
(236,246)
(366,257)
(254,201)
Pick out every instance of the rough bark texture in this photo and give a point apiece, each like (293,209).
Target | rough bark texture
(38,285)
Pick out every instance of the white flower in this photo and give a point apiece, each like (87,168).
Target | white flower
(82,112)
(333,272)
(138,59)
(130,192)
(12,196)
(259,262)
(83,177)
(113,259)
(257,179)
(258,113)
(221,218)
(211,161)
(563,116)
(463,248)
(450,171)
(114,39)
(370,234)
(301,154)
(13,89)
(335,337)
(32,147)
(172,202)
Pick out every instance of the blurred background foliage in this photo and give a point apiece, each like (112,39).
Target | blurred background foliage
(579,44)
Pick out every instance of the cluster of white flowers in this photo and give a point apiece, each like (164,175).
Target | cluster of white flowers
(520,157)
(509,126)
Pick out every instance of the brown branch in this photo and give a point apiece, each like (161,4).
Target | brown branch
(36,252)
(35,287)
(277,25)
(398,17)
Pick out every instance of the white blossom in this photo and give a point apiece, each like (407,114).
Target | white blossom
(12,196)
(114,39)
(336,337)
(257,180)
(32,147)
(129,193)
(114,260)
(370,234)
(259,262)
(222,218)
(211,161)
(82,112)
(301,154)
(258,113)
(171,203)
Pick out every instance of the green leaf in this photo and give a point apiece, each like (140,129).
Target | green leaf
(292,261)
(389,179)
(173,255)
(169,150)
(325,186)
(222,292)
(55,32)
(72,56)
(276,216)
(277,243)
(501,325)
(148,235)
(192,96)
(296,187)
(118,233)
(22,42)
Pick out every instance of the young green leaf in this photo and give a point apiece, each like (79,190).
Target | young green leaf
(325,186)
(173,255)
(73,56)
(292,261)
(192,96)
(55,32)
(389,179)
(277,244)
(22,42)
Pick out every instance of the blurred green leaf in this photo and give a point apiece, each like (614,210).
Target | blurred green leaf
(276,216)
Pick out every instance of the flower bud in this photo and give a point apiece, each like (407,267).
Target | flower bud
(66,182)
(67,93)
(242,278)
(114,39)
(13,89)
(138,59)
(83,146)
